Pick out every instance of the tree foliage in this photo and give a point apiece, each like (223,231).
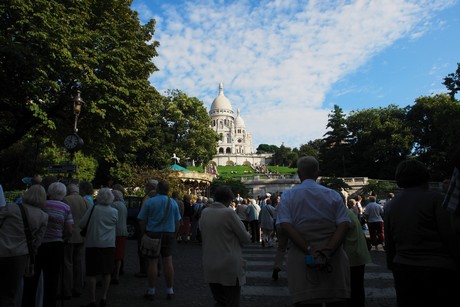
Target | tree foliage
(283,156)
(452,82)
(333,183)
(334,150)
(236,185)
(380,139)
(435,122)
(180,126)
(312,148)
(379,188)
(50,48)
(265,148)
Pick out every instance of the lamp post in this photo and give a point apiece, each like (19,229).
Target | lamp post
(77,105)
(73,142)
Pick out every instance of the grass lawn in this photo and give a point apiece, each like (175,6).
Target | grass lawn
(241,171)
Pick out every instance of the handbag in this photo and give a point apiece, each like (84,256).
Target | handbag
(84,230)
(29,270)
(151,247)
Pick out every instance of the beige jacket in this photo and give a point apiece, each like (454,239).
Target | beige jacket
(12,236)
(223,235)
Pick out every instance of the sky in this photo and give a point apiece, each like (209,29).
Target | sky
(286,63)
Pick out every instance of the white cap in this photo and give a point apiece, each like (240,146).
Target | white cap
(268,195)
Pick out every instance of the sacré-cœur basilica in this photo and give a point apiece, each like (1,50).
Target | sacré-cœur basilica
(235,144)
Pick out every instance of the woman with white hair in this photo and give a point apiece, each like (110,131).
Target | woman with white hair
(50,256)
(13,241)
(100,243)
(121,233)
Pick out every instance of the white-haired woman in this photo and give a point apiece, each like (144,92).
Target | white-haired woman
(13,242)
(50,256)
(121,232)
(100,243)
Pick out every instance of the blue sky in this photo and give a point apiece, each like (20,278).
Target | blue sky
(286,63)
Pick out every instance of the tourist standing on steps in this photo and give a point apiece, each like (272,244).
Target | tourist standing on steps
(422,250)
(74,251)
(316,221)
(13,241)
(150,191)
(373,213)
(242,211)
(86,191)
(266,217)
(160,218)
(355,246)
(197,206)
(253,218)
(223,235)
(100,244)
(121,234)
(186,224)
(50,256)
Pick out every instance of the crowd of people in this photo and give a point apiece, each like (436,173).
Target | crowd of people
(41,233)
(319,234)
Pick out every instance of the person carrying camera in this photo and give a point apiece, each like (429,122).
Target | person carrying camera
(316,221)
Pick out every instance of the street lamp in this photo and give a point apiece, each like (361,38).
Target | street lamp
(73,142)
(77,105)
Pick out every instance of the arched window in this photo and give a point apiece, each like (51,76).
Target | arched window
(229,138)
(228,150)
(221,150)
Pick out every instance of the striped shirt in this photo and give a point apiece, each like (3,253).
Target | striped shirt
(59,215)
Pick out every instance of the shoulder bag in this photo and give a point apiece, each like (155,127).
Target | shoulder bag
(30,265)
(151,247)
(84,230)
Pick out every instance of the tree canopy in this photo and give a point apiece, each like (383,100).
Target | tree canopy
(452,82)
(49,49)
(181,126)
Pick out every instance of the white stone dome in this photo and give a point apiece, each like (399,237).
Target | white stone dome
(239,122)
(221,102)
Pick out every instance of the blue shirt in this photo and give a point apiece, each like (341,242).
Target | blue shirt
(153,213)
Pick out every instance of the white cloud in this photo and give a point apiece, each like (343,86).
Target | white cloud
(277,59)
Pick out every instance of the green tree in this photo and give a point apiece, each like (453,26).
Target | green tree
(333,183)
(452,82)
(435,122)
(235,184)
(50,48)
(182,127)
(379,139)
(334,152)
(265,148)
(380,188)
(312,148)
(283,156)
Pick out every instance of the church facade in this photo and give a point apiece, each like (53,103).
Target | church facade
(235,142)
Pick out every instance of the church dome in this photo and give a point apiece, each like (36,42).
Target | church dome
(239,122)
(221,102)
